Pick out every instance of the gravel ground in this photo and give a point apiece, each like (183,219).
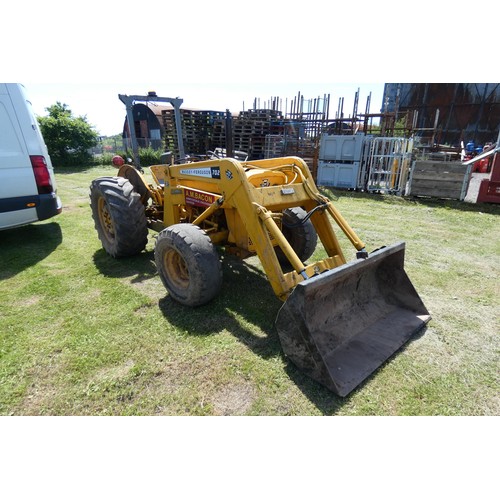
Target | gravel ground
(472,192)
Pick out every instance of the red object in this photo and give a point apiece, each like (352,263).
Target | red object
(483,165)
(118,161)
(489,189)
(42,176)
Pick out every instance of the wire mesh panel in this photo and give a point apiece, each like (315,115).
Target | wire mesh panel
(274,146)
(389,164)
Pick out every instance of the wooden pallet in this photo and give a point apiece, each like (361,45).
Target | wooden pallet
(197,130)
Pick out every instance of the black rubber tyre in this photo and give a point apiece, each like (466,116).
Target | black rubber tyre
(119,216)
(188,264)
(302,237)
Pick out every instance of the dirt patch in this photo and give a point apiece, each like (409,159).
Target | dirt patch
(151,288)
(29,301)
(235,399)
(201,386)
(113,372)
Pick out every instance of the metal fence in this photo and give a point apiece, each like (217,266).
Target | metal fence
(389,164)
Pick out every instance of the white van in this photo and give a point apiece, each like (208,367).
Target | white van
(27,182)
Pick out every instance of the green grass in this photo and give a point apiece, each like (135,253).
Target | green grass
(83,334)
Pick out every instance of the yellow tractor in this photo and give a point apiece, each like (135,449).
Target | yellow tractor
(339,322)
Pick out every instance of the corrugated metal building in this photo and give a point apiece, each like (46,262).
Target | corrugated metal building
(448,113)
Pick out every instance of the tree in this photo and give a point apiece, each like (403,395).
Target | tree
(68,138)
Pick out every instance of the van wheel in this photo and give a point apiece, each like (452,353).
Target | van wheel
(119,216)
(188,264)
(301,235)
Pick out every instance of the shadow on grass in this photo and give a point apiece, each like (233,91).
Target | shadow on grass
(25,246)
(246,307)
(246,298)
(141,266)
(245,294)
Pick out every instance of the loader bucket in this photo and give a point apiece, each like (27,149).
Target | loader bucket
(340,326)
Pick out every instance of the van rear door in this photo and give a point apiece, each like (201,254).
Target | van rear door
(22,153)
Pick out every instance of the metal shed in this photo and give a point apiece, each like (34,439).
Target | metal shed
(448,113)
(148,124)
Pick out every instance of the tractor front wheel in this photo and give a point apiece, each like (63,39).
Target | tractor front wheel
(188,264)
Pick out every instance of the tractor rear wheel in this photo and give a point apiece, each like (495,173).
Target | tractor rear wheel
(188,264)
(301,235)
(119,216)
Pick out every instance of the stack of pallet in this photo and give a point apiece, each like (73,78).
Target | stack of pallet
(197,130)
(203,131)
(219,134)
(250,131)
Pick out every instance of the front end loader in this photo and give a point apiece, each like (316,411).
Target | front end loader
(339,321)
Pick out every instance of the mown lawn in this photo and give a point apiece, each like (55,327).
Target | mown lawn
(83,334)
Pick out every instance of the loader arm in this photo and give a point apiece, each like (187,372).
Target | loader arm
(243,188)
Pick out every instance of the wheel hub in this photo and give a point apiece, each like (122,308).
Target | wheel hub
(106,220)
(176,269)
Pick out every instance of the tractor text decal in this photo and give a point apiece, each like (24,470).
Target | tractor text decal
(199,198)
(210,172)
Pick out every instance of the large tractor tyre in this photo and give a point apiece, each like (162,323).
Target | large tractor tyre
(301,235)
(119,216)
(188,264)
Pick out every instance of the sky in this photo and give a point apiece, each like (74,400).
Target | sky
(100,104)
(215,56)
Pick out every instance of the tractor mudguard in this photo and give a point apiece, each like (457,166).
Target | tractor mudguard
(340,326)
